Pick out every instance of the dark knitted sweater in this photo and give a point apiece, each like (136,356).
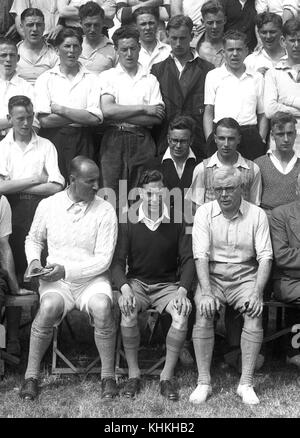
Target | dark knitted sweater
(277,189)
(163,255)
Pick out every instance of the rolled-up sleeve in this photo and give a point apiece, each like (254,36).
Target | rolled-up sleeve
(263,245)
(51,164)
(36,237)
(201,234)
(155,94)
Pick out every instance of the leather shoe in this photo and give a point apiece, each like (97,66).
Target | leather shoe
(109,388)
(168,390)
(132,387)
(29,390)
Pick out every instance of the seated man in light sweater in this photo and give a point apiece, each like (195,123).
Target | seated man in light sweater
(233,255)
(80,229)
(161,268)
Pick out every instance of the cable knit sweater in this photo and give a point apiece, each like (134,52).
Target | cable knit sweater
(80,236)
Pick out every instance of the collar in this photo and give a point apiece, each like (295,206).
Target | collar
(44,49)
(216,209)
(81,72)
(283,65)
(168,156)
(103,43)
(10,137)
(194,53)
(69,204)
(142,216)
(214,161)
(14,80)
(141,71)
(261,51)
(225,72)
(271,152)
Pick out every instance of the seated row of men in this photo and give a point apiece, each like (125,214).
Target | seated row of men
(59,218)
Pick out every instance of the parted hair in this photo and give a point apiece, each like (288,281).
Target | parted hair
(32,12)
(91,9)
(125,32)
(149,176)
(268,17)
(18,100)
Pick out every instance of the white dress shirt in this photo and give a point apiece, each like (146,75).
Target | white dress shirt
(179,170)
(240,239)
(260,59)
(151,224)
(160,53)
(83,92)
(240,98)
(38,158)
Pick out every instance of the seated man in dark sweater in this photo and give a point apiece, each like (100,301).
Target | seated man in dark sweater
(280,167)
(177,166)
(161,268)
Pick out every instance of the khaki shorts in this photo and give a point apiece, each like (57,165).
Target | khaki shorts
(156,296)
(77,296)
(232,283)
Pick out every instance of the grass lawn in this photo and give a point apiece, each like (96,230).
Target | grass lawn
(277,385)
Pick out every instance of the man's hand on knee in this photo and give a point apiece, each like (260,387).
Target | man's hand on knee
(208,305)
(181,303)
(57,272)
(127,301)
(255,306)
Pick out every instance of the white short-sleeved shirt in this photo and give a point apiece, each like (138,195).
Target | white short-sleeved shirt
(239,98)
(260,59)
(30,70)
(100,58)
(5,217)
(142,89)
(192,8)
(83,92)
(14,87)
(39,158)
(48,7)
(160,53)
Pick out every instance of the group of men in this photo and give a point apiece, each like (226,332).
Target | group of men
(179,135)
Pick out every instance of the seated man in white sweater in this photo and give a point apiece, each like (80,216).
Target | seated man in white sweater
(81,231)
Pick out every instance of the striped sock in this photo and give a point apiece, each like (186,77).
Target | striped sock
(174,343)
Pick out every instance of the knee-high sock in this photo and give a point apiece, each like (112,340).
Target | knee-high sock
(251,341)
(131,342)
(174,343)
(204,340)
(40,339)
(105,340)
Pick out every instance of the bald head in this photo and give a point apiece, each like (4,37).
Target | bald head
(84,179)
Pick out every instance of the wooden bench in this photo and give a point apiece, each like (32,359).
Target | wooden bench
(31,301)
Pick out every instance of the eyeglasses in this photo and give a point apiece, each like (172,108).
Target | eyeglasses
(175,141)
(228,190)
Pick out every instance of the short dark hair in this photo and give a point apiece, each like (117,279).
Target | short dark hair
(281,118)
(291,26)
(268,17)
(32,12)
(145,10)
(90,9)
(183,122)
(149,176)
(235,35)
(125,32)
(8,42)
(212,7)
(67,32)
(18,100)
(229,123)
(180,20)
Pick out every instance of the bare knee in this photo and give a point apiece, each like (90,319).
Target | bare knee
(253,323)
(100,307)
(51,308)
